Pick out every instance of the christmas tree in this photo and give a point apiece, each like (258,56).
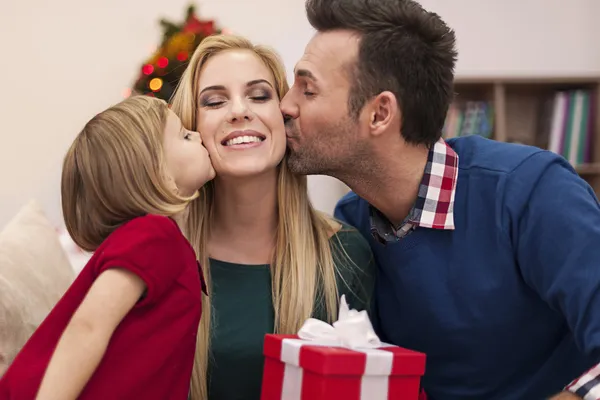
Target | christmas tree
(161,73)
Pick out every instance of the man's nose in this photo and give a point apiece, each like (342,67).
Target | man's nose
(288,108)
(287,118)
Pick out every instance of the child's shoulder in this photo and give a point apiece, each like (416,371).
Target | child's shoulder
(149,223)
(147,239)
(146,230)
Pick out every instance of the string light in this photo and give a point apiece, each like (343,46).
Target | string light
(148,69)
(162,62)
(182,56)
(159,74)
(155,84)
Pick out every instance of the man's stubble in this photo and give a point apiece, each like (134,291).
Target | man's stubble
(333,150)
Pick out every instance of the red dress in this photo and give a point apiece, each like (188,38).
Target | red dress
(150,355)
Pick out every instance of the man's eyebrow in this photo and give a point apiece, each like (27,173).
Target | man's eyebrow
(221,87)
(305,74)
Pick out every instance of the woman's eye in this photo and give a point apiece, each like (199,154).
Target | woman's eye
(260,95)
(187,136)
(212,101)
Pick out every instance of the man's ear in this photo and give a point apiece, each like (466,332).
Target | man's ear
(383,112)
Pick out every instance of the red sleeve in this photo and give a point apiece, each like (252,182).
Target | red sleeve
(151,247)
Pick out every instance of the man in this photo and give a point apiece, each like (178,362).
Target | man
(488,253)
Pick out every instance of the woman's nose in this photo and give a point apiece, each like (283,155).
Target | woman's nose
(239,111)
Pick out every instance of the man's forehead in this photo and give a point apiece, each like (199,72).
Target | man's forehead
(328,52)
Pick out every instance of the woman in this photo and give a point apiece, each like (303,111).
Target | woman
(271,260)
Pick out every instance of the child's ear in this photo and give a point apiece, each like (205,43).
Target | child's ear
(168,179)
(172,185)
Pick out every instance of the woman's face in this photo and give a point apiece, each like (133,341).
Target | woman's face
(239,116)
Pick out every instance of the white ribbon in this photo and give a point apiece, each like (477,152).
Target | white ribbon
(352,330)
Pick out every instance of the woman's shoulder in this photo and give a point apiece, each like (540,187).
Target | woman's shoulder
(352,246)
(355,266)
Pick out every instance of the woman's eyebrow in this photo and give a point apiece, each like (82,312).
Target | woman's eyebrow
(250,83)
(215,87)
(257,81)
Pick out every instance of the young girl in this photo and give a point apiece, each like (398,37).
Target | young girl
(127,326)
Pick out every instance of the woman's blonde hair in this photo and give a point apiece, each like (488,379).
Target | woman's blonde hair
(114,171)
(303,267)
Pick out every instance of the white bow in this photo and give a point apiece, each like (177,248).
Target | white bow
(353,329)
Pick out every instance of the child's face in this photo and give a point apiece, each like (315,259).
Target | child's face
(187,160)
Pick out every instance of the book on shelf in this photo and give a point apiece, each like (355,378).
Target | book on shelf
(470,118)
(564,123)
(570,125)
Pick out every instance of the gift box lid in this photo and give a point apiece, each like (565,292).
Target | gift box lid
(332,360)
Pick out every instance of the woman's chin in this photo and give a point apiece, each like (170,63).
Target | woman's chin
(247,169)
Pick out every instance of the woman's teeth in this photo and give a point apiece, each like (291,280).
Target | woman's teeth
(243,140)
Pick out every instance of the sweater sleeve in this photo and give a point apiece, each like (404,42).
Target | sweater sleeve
(555,228)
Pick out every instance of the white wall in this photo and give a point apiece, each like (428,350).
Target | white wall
(62,62)
(552,37)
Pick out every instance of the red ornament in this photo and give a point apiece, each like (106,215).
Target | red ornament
(182,56)
(195,26)
(148,69)
(162,62)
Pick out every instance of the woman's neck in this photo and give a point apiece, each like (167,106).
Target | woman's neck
(245,219)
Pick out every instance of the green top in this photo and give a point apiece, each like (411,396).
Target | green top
(243,314)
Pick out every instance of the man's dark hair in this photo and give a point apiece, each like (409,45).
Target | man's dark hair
(403,49)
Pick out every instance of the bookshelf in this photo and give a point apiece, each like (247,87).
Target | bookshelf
(561,114)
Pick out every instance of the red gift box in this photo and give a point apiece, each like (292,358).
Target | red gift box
(297,369)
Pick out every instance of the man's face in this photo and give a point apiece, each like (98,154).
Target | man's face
(322,137)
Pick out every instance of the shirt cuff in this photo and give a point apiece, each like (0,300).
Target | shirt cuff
(587,386)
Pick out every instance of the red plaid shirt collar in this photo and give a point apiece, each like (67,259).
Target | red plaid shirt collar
(434,207)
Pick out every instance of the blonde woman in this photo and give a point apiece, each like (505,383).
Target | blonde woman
(132,314)
(272,260)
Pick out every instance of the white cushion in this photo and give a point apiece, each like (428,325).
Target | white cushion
(34,274)
(78,258)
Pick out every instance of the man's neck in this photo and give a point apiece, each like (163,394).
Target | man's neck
(391,181)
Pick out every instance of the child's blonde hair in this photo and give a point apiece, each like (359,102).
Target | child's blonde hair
(114,171)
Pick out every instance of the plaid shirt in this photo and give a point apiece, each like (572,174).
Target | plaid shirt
(587,386)
(434,207)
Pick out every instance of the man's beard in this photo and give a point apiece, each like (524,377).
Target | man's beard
(327,157)
(306,162)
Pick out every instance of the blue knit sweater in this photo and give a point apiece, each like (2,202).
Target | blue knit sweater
(507,305)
